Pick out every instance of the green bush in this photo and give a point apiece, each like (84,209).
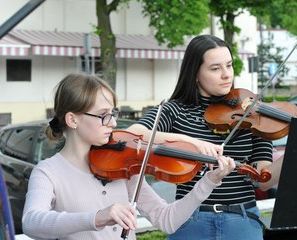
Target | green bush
(276,98)
(154,235)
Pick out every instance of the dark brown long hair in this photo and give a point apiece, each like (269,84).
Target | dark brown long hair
(186,90)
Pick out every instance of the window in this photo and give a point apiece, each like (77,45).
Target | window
(3,139)
(5,118)
(18,70)
(97,65)
(46,148)
(19,143)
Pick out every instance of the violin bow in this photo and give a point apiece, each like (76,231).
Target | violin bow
(251,106)
(125,232)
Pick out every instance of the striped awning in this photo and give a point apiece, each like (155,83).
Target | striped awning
(10,46)
(58,43)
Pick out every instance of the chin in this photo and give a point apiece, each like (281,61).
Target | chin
(105,141)
(224,91)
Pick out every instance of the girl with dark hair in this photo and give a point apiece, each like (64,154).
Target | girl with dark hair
(206,74)
(65,201)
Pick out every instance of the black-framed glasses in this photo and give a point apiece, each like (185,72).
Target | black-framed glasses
(105,119)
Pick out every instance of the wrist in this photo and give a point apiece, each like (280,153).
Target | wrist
(213,178)
(101,219)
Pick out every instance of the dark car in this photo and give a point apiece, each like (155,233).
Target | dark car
(21,147)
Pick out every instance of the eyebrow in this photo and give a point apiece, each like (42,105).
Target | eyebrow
(218,64)
(107,109)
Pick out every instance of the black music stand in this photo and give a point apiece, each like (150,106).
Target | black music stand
(283,224)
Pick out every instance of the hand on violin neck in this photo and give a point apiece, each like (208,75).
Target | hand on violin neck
(225,166)
(208,148)
(122,214)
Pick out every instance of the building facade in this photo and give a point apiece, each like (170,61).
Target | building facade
(146,73)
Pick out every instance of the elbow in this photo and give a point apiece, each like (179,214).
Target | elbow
(264,186)
(26,227)
(267,186)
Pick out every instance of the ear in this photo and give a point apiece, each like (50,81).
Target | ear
(70,119)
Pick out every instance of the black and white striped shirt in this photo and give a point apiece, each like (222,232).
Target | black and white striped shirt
(244,146)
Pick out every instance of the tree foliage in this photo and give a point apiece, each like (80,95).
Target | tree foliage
(279,14)
(173,20)
(227,11)
(270,54)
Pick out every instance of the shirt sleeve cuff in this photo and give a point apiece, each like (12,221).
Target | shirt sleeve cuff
(211,183)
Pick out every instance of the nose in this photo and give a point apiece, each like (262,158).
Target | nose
(227,73)
(112,123)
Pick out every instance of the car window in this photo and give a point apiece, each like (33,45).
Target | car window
(3,138)
(46,148)
(19,143)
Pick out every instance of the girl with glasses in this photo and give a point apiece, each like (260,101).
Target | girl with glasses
(64,199)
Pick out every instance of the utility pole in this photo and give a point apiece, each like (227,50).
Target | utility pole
(260,55)
(87,54)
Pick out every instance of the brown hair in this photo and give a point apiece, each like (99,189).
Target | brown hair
(75,93)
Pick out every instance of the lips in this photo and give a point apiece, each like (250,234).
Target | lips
(226,84)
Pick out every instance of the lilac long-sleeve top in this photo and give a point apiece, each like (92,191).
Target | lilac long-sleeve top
(62,202)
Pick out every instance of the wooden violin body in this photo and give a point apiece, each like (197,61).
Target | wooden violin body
(268,120)
(174,162)
(122,162)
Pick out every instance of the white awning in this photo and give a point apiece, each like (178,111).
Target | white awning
(10,46)
(58,43)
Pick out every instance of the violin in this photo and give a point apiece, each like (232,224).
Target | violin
(268,120)
(170,161)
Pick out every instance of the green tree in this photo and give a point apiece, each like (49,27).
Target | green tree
(175,19)
(280,14)
(172,20)
(107,39)
(227,11)
(270,54)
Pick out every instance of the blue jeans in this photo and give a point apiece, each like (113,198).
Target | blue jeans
(219,226)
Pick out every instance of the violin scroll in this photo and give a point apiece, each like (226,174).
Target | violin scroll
(262,177)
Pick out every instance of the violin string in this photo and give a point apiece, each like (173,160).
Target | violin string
(172,152)
(274,112)
(249,109)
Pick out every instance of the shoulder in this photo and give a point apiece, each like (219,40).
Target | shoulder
(177,106)
(50,165)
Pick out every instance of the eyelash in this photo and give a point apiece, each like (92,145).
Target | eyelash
(217,68)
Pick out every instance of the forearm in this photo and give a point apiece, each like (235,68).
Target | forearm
(160,137)
(275,169)
(169,217)
(58,225)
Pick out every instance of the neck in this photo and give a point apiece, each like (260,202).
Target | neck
(78,156)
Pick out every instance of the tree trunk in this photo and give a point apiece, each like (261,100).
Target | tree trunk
(108,43)
(229,28)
